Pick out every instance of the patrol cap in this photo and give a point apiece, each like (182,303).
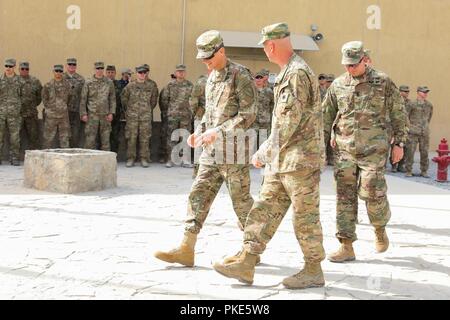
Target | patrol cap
(126,70)
(260,73)
(330,77)
(266,72)
(110,68)
(10,62)
(275,31)
(403,88)
(99,65)
(180,67)
(423,89)
(352,52)
(58,67)
(71,61)
(25,65)
(146,66)
(208,43)
(141,68)
(322,75)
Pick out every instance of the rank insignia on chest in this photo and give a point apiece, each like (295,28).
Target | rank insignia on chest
(284,97)
(375,81)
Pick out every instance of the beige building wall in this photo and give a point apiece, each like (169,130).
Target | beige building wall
(412,44)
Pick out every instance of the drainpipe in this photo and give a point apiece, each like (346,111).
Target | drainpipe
(183,30)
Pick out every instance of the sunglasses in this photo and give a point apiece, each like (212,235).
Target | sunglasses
(142,72)
(100,68)
(6,66)
(72,64)
(354,65)
(322,78)
(25,69)
(258,77)
(58,71)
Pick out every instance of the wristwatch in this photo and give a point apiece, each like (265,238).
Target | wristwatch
(401,144)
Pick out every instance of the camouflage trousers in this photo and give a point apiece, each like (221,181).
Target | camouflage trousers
(12,124)
(75,129)
(117,129)
(329,151)
(143,131)
(163,139)
(278,192)
(364,177)
(172,125)
(30,126)
(95,124)
(52,126)
(206,186)
(424,145)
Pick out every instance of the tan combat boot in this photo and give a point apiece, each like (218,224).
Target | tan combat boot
(144,163)
(311,276)
(130,163)
(345,252)
(243,269)
(184,254)
(381,240)
(234,258)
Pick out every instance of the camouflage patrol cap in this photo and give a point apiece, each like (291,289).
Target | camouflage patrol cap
(58,67)
(180,67)
(24,64)
(71,61)
(266,72)
(10,62)
(260,73)
(330,77)
(275,31)
(352,52)
(404,88)
(322,75)
(423,89)
(99,65)
(141,68)
(208,43)
(110,68)
(146,66)
(126,70)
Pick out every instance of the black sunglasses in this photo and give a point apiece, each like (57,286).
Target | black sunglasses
(258,77)
(322,78)
(100,68)
(71,64)
(24,69)
(142,72)
(59,71)
(6,66)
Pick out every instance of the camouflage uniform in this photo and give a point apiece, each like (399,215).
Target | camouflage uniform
(264,105)
(355,112)
(139,100)
(76,86)
(119,120)
(293,155)
(31,98)
(98,99)
(56,97)
(174,100)
(10,109)
(197,103)
(419,114)
(230,105)
(400,166)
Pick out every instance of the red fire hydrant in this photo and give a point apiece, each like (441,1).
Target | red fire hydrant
(443,160)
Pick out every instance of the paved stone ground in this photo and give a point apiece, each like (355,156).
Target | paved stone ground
(100,245)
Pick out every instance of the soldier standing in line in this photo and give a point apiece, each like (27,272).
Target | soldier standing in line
(322,85)
(420,113)
(97,108)
(175,99)
(230,108)
(31,98)
(356,109)
(10,108)
(293,155)
(55,96)
(404,92)
(76,85)
(119,121)
(139,98)
(264,107)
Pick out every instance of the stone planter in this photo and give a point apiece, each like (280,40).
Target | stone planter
(70,170)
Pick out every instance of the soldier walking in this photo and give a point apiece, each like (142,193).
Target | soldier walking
(56,95)
(97,108)
(356,107)
(420,113)
(31,98)
(10,110)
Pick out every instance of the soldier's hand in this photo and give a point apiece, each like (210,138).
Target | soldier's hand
(109,117)
(193,141)
(84,118)
(397,154)
(256,163)
(209,137)
(333,143)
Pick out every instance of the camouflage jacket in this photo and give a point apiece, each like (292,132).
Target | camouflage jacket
(230,106)
(31,96)
(419,114)
(98,97)
(197,99)
(296,138)
(356,113)
(10,95)
(264,106)
(55,96)
(76,86)
(139,100)
(119,86)
(323,92)
(174,99)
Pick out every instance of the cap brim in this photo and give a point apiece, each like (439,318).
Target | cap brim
(204,54)
(346,60)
